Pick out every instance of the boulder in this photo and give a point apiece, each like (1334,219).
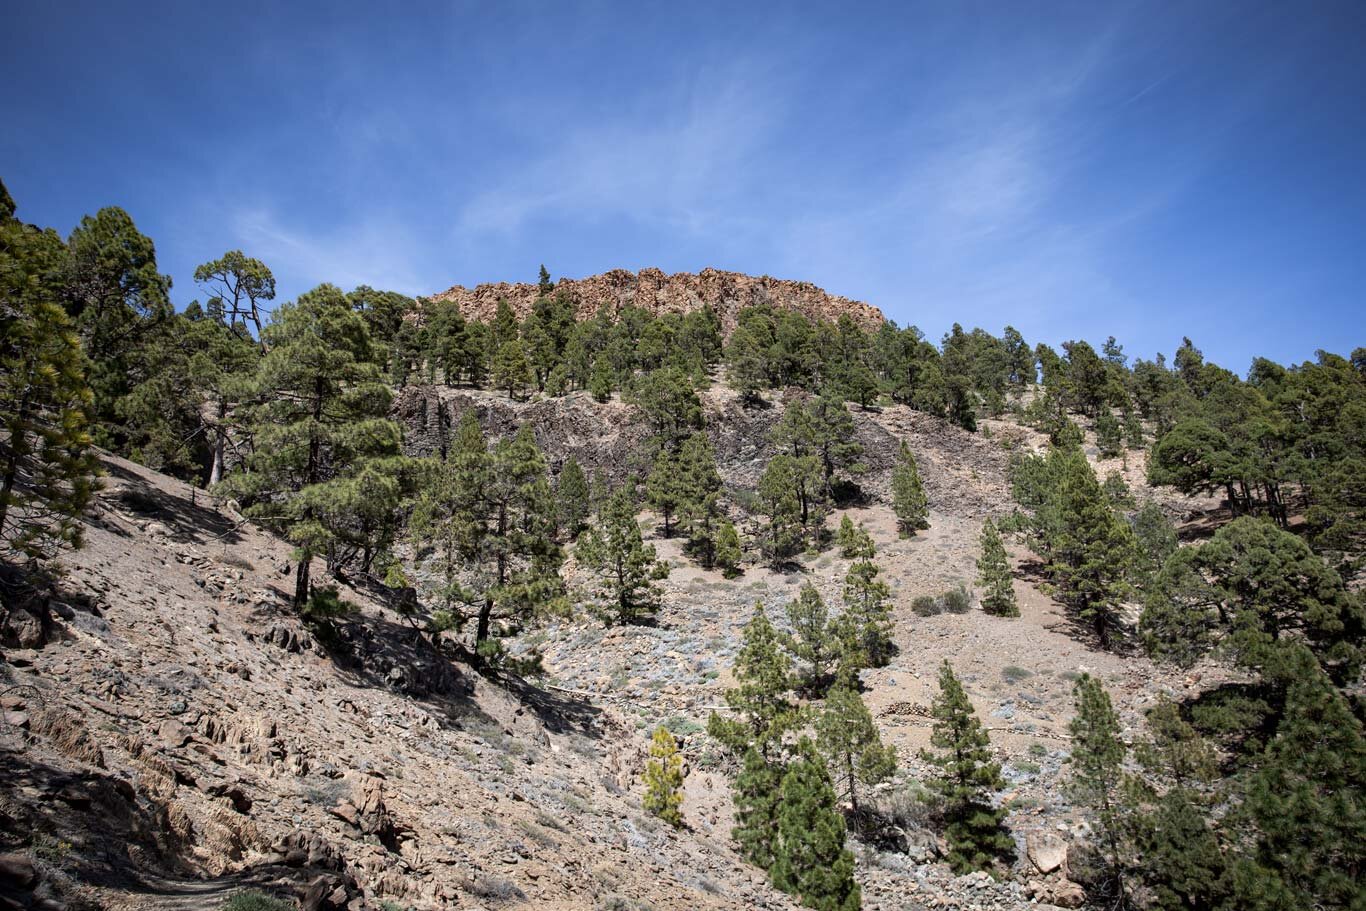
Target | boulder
(1047,852)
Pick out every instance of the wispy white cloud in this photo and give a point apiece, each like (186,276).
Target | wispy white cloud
(674,160)
(372,251)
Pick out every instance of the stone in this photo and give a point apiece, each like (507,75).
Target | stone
(1047,852)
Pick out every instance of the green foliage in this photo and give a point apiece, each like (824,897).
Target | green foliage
(993,575)
(1305,803)
(728,553)
(785,492)
(908,494)
(238,286)
(1091,549)
(821,429)
(511,371)
(571,499)
(664,779)
(255,901)
(810,642)
(115,297)
(853,542)
(957,600)
(1097,760)
(700,501)
(489,514)
(626,567)
(1248,587)
(602,380)
(761,705)
(756,796)
(926,606)
(868,608)
(669,402)
(966,780)
(809,857)
(47,468)
(846,734)
(317,414)
(1155,541)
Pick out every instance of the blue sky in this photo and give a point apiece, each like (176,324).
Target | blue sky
(1145,170)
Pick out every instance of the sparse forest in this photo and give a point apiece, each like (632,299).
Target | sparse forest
(1245,792)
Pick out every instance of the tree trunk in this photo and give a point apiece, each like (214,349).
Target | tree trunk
(219,444)
(301,573)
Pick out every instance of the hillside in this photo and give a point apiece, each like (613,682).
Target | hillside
(651,289)
(181,734)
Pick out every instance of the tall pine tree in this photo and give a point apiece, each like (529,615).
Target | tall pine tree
(626,567)
(993,575)
(908,494)
(47,468)
(317,413)
(809,857)
(967,778)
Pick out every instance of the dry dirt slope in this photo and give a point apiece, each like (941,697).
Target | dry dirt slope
(181,725)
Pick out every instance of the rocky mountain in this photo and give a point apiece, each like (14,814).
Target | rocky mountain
(683,292)
(173,733)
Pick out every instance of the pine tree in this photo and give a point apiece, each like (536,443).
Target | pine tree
(47,468)
(1133,430)
(503,328)
(847,736)
(868,606)
(1096,783)
(511,372)
(664,487)
(968,776)
(728,553)
(664,779)
(809,857)
(1155,540)
(782,532)
(1092,550)
(756,794)
(810,641)
(853,541)
(762,708)
(491,513)
(571,499)
(602,380)
(700,496)
(993,575)
(745,365)
(238,286)
(318,413)
(1304,801)
(626,567)
(908,495)
(116,298)
(1109,434)
(1184,867)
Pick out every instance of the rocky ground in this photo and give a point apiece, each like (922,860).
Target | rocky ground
(174,734)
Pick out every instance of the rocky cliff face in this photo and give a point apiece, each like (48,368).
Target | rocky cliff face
(682,292)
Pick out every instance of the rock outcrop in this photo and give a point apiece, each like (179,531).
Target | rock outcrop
(683,292)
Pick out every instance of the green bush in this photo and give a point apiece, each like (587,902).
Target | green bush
(926,606)
(957,600)
(1015,674)
(255,901)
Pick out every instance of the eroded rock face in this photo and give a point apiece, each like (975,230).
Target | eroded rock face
(683,292)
